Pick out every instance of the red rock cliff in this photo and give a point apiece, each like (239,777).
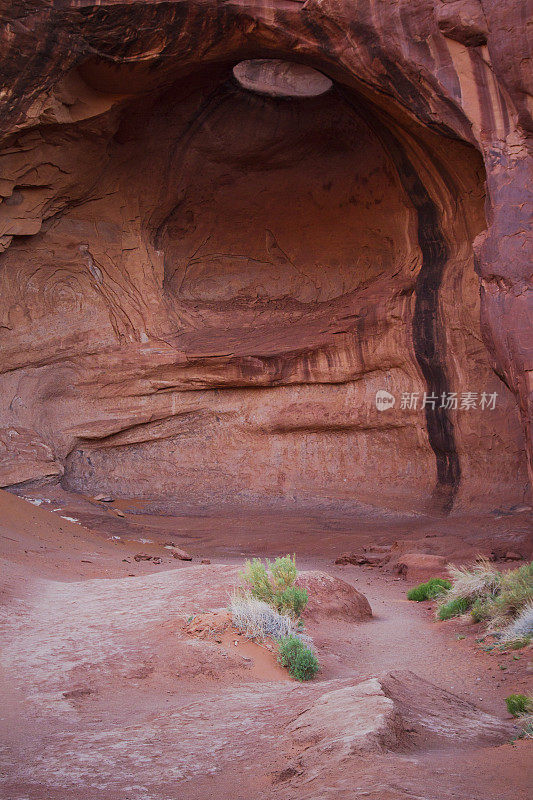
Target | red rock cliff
(204,286)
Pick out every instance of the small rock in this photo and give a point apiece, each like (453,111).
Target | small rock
(75,693)
(378,548)
(373,556)
(103,498)
(205,561)
(142,557)
(157,560)
(346,558)
(169,544)
(209,625)
(119,513)
(177,552)
(512,555)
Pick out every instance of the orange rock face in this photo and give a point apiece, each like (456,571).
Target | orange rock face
(206,279)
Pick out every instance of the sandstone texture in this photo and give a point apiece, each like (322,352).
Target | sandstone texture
(205,282)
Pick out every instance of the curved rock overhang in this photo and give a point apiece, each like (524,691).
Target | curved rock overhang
(116,316)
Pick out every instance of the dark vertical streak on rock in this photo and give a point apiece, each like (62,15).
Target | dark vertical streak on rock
(429,339)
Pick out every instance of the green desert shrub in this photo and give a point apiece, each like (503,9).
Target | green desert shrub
(481,609)
(274,584)
(453,608)
(284,572)
(255,576)
(518,704)
(517,644)
(269,605)
(293,600)
(428,590)
(300,660)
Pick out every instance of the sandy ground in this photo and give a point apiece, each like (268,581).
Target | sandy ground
(104,694)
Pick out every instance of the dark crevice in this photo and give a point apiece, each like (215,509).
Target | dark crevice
(429,339)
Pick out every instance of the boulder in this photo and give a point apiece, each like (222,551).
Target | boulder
(333,598)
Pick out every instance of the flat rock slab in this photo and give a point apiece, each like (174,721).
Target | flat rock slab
(396,712)
(354,719)
(439,717)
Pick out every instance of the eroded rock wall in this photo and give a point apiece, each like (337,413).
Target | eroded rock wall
(204,288)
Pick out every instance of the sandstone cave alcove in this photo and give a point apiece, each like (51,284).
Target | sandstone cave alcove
(226,228)
(251,269)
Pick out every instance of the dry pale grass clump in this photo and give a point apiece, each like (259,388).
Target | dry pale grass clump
(522,626)
(526,724)
(481,580)
(502,599)
(258,620)
(515,593)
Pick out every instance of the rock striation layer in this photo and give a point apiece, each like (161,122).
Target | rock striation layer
(204,287)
